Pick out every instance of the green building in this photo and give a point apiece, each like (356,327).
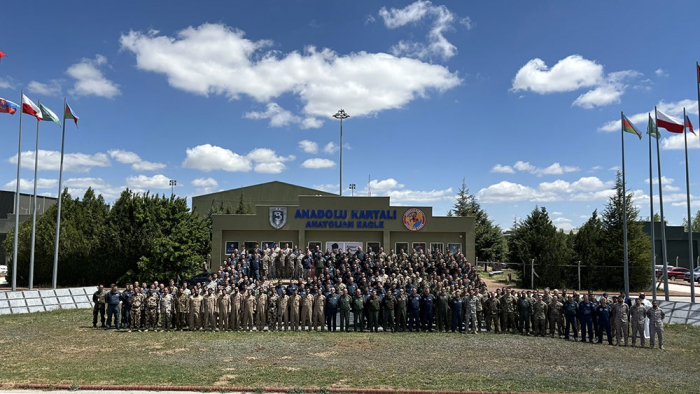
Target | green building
(676,244)
(285,214)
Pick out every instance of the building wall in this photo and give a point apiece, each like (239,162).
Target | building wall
(301,230)
(7,217)
(676,244)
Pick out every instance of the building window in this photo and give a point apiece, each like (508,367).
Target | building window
(439,246)
(454,248)
(231,246)
(418,246)
(375,246)
(286,244)
(250,246)
(401,246)
(268,245)
(313,245)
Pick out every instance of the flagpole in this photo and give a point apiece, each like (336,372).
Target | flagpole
(624,206)
(18,197)
(651,221)
(690,219)
(661,210)
(36,169)
(54,277)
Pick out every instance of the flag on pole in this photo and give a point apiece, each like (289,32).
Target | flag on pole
(69,114)
(652,130)
(29,108)
(8,107)
(628,127)
(47,114)
(668,122)
(689,125)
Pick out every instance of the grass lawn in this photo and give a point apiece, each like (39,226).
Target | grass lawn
(58,347)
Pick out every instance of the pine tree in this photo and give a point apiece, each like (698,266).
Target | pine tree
(587,246)
(490,244)
(611,274)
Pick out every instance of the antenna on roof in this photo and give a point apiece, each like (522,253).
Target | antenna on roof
(369,185)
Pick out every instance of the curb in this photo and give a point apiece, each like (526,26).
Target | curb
(242,389)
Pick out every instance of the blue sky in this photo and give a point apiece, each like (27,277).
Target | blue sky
(521,99)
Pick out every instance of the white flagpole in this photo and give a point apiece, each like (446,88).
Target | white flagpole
(651,207)
(690,218)
(60,194)
(17,196)
(661,209)
(36,169)
(624,207)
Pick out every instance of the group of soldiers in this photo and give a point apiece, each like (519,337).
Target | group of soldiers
(368,291)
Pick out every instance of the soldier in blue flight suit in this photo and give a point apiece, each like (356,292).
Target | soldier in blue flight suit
(414,311)
(112,299)
(255,266)
(585,316)
(427,301)
(603,313)
(331,309)
(280,289)
(570,313)
(126,306)
(456,304)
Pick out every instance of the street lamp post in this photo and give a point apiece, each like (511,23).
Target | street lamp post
(352,189)
(341,114)
(173,183)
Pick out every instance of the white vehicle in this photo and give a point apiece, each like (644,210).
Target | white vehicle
(3,270)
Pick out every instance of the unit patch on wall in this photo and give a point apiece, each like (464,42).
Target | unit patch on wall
(278,217)
(414,219)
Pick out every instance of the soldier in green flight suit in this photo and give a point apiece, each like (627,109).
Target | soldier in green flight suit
(389,304)
(358,306)
(443,311)
(373,305)
(401,305)
(492,307)
(345,304)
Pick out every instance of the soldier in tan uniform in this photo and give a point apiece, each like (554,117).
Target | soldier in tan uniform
(261,314)
(195,309)
(638,315)
(209,306)
(656,324)
(306,311)
(249,310)
(236,309)
(319,308)
(224,310)
(283,312)
(294,303)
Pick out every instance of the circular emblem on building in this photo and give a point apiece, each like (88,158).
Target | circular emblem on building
(414,219)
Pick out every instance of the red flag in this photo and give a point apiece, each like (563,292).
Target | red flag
(2,54)
(689,125)
(668,122)
(29,108)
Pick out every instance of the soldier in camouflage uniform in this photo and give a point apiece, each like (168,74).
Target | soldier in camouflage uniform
(481,297)
(656,324)
(166,309)
(137,301)
(272,300)
(195,309)
(98,299)
(508,312)
(491,310)
(471,303)
(152,302)
(556,317)
(539,312)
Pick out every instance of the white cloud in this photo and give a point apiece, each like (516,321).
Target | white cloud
(584,189)
(204,185)
(443,21)
(503,169)
(328,187)
(53,88)
(557,213)
(661,73)
(569,74)
(89,79)
(573,73)
(78,187)
(317,163)
(614,168)
(383,186)
(280,117)
(308,146)
(149,182)
(210,157)
(216,59)
(330,148)
(311,123)
(398,194)
(50,160)
(677,142)
(27,185)
(554,169)
(137,164)
(7,83)
(595,168)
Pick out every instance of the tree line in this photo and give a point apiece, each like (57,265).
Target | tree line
(139,237)
(598,245)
